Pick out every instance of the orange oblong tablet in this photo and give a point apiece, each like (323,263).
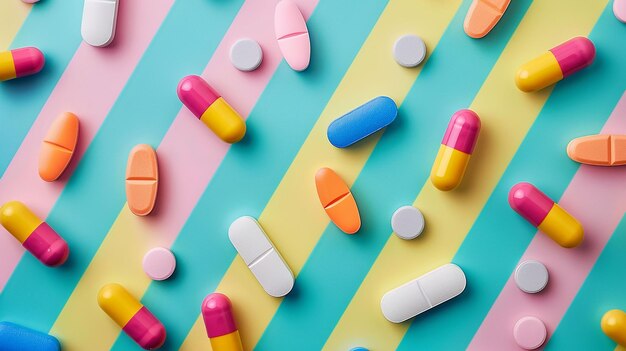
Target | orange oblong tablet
(337,200)
(142,179)
(483,15)
(598,150)
(58,146)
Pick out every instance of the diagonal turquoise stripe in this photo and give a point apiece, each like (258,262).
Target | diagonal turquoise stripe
(499,236)
(52,27)
(95,195)
(250,172)
(330,277)
(604,290)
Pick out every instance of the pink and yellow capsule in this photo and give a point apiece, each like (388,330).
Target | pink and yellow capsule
(217,312)
(34,234)
(455,151)
(556,64)
(206,104)
(20,62)
(538,209)
(133,317)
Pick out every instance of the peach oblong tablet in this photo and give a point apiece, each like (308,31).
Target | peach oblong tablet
(483,15)
(142,179)
(292,35)
(337,200)
(58,146)
(598,150)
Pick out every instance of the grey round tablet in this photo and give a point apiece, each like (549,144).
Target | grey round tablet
(407,222)
(409,50)
(531,276)
(246,55)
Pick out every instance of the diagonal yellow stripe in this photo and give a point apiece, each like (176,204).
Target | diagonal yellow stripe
(506,115)
(293,218)
(12,15)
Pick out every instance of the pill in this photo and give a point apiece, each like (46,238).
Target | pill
(133,317)
(556,64)
(409,50)
(260,255)
(219,321)
(483,15)
(614,326)
(159,263)
(538,209)
(359,349)
(20,62)
(292,35)
(337,200)
(246,55)
(619,9)
(407,222)
(142,179)
(15,337)
(35,235)
(361,122)
(30,1)
(529,333)
(58,146)
(206,104)
(598,150)
(531,276)
(455,150)
(423,293)
(98,24)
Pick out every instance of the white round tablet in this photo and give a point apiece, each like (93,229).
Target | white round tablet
(409,50)
(531,276)
(407,222)
(246,55)
(159,263)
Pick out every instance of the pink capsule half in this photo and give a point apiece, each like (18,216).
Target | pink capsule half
(217,312)
(20,62)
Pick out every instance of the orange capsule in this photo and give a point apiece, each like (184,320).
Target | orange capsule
(337,200)
(58,147)
(142,179)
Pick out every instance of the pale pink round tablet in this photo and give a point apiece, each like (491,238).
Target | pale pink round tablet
(530,333)
(159,263)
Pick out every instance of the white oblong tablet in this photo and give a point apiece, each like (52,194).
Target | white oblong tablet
(159,263)
(260,255)
(423,293)
(246,55)
(99,19)
(531,276)
(407,222)
(409,50)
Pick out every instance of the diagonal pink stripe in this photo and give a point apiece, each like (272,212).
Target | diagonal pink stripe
(568,268)
(89,86)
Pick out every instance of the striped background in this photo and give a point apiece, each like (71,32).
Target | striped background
(125,95)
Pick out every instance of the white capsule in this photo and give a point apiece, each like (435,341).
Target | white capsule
(99,20)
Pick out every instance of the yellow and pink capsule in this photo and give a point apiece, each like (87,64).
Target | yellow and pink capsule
(34,234)
(556,64)
(20,62)
(538,209)
(217,312)
(455,151)
(133,317)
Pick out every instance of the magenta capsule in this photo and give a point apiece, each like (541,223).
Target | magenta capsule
(543,213)
(206,104)
(217,312)
(456,148)
(34,234)
(20,62)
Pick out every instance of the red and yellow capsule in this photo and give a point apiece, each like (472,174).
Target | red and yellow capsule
(133,317)
(217,312)
(455,151)
(20,62)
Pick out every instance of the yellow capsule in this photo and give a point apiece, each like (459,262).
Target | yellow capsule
(614,326)
(224,121)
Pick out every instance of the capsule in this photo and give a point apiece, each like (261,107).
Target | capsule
(217,312)
(14,337)
(614,326)
(556,64)
(211,108)
(545,214)
(34,234)
(133,317)
(20,62)
(455,151)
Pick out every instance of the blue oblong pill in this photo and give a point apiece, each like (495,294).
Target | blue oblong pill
(15,337)
(364,120)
